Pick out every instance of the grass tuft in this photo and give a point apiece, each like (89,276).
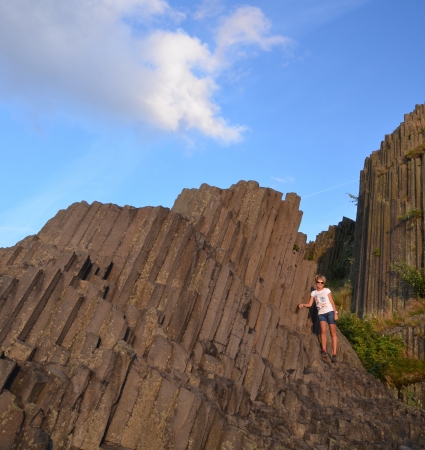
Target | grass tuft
(404,371)
(416,152)
(342,293)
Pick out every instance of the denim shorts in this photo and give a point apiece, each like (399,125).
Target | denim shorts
(327,317)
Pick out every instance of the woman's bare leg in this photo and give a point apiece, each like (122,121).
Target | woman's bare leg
(332,329)
(323,332)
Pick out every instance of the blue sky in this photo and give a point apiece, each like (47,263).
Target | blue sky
(130,101)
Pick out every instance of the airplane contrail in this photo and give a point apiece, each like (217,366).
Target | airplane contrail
(329,189)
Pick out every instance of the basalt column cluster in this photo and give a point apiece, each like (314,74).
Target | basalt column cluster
(390,229)
(150,328)
(390,220)
(333,249)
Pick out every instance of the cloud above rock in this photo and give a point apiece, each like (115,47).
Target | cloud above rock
(130,59)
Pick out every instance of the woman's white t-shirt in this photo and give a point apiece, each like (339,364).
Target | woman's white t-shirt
(322,300)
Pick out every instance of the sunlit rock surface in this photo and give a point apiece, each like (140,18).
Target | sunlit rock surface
(390,220)
(150,328)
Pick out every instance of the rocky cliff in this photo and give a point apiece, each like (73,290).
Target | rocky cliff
(125,328)
(333,249)
(390,229)
(390,218)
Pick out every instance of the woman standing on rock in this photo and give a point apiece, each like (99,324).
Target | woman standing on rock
(327,314)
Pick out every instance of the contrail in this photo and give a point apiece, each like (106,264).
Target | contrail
(329,189)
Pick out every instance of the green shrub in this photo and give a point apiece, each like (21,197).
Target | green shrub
(376,351)
(411,277)
(377,251)
(411,214)
(381,355)
(409,397)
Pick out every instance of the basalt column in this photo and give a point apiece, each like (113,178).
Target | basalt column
(333,249)
(149,328)
(152,329)
(390,218)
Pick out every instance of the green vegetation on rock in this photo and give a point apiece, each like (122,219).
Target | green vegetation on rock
(411,214)
(342,292)
(408,397)
(404,371)
(381,353)
(376,351)
(416,152)
(411,277)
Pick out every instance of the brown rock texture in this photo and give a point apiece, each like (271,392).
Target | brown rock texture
(414,337)
(150,328)
(390,227)
(387,228)
(333,249)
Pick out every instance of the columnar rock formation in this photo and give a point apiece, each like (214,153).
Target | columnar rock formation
(333,249)
(390,217)
(414,337)
(125,328)
(390,228)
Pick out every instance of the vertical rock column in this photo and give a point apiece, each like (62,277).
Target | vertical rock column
(266,250)
(333,249)
(390,218)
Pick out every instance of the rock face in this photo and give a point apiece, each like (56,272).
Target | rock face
(390,227)
(125,328)
(390,218)
(333,249)
(414,337)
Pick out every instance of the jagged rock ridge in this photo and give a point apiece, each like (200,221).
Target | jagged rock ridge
(125,328)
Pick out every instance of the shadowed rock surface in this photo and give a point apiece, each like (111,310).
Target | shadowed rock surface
(150,328)
(333,249)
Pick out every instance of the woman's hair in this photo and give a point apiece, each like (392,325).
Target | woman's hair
(320,277)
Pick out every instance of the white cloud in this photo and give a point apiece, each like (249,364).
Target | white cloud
(247,25)
(98,55)
(283,180)
(179,98)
